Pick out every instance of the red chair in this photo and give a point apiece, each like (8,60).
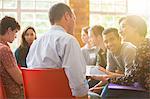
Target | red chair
(2,91)
(46,83)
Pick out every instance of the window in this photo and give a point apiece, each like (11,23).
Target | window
(105,20)
(141,8)
(107,6)
(28,13)
(108,12)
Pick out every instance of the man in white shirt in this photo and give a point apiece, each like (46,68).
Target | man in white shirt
(59,49)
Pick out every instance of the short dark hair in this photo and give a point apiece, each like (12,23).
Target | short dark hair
(57,11)
(7,22)
(85,29)
(97,30)
(139,23)
(111,30)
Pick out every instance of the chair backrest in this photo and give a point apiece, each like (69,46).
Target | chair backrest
(2,91)
(45,83)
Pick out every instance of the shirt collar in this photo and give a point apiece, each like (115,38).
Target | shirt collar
(4,42)
(58,27)
(117,53)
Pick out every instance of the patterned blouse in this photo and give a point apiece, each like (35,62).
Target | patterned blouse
(140,72)
(7,61)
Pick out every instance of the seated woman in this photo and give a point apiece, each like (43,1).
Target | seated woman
(95,36)
(88,51)
(10,74)
(96,53)
(84,37)
(28,36)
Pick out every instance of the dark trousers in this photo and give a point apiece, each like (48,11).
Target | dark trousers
(92,83)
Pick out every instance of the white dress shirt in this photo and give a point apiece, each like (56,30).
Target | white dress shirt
(58,49)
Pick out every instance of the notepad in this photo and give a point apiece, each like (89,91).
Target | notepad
(94,71)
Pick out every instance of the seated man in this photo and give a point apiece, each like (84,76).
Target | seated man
(120,55)
(59,49)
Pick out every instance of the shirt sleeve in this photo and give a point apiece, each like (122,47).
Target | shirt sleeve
(111,65)
(75,68)
(85,55)
(129,54)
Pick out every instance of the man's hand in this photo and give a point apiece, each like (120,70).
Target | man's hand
(102,69)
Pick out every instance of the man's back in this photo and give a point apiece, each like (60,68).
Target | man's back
(57,49)
(49,49)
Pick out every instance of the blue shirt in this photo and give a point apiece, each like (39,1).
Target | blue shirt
(58,49)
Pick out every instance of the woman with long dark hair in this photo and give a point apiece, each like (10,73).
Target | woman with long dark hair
(28,36)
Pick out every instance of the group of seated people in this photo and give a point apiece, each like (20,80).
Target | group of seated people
(127,59)
(123,55)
